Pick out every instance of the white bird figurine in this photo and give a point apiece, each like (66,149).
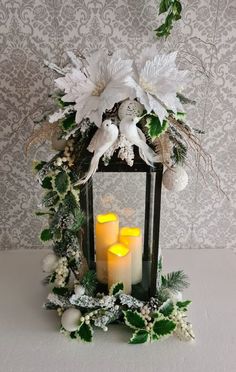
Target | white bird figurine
(102,140)
(134,135)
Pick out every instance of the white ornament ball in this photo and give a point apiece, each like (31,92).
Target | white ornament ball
(70,319)
(49,263)
(79,290)
(175,179)
(58,143)
(130,108)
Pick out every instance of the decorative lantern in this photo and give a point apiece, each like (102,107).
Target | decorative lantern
(146,285)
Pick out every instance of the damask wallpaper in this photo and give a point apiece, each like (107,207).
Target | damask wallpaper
(34,30)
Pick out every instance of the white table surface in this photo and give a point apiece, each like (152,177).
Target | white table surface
(29,341)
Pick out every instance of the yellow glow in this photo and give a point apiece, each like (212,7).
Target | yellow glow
(109,217)
(119,250)
(130,231)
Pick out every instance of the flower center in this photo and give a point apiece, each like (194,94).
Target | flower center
(99,88)
(146,86)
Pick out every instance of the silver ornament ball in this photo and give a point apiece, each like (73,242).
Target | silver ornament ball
(130,108)
(70,319)
(175,179)
(49,263)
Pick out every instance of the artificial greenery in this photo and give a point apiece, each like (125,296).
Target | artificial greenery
(173,8)
(147,323)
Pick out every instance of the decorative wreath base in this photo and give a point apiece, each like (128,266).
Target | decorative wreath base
(81,310)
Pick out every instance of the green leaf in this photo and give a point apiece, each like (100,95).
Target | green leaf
(50,199)
(116,288)
(139,337)
(163,327)
(61,182)
(45,213)
(167,308)
(85,332)
(155,128)
(57,235)
(46,235)
(73,335)
(61,291)
(133,319)
(47,183)
(38,165)
(164,6)
(68,122)
(177,8)
(70,201)
(183,305)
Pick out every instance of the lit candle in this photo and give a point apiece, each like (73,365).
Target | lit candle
(107,233)
(119,266)
(131,237)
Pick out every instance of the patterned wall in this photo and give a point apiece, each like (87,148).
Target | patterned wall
(32,30)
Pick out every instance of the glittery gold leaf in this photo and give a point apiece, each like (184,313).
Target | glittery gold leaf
(41,134)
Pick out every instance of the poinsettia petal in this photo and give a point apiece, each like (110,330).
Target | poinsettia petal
(157,107)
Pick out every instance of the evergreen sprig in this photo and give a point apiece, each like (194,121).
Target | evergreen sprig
(174,281)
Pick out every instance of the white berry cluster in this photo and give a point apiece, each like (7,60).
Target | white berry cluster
(145,311)
(68,156)
(73,253)
(62,272)
(183,329)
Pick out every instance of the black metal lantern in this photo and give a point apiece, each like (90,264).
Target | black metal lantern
(153,180)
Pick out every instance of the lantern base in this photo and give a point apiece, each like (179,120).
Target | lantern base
(141,291)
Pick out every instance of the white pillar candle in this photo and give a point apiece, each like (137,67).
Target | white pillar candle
(131,237)
(107,233)
(119,266)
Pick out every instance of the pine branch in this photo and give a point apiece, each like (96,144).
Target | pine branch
(175,281)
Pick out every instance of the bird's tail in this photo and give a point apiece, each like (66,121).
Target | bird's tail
(92,169)
(148,155)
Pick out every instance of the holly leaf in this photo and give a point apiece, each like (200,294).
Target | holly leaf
(163,327)
(139,337)
(85,332)
(61,291)
(61,183)
(50,199)
(155,128)
(133,319)
(68,122)
(116,288)
(38,165)
(183,305)
(47,183)
(70,201)
(167,308)
(46,235)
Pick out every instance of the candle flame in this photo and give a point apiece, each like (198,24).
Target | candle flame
(109,217)
(130,231)
(119,250)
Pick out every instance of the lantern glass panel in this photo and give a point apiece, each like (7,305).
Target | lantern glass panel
(134,195)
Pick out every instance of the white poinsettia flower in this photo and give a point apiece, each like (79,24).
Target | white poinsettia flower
(158,80)
(98,86)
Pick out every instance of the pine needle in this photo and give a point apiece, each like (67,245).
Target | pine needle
(175,281)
